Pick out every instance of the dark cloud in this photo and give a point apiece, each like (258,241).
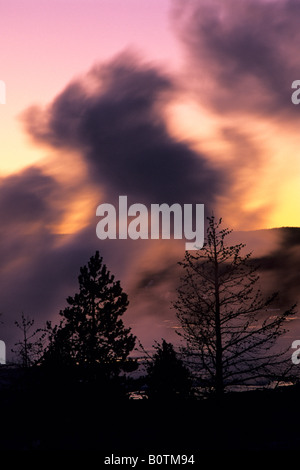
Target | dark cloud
(119,129)
(244,54)
(26,213)
(24,198)
(282,265)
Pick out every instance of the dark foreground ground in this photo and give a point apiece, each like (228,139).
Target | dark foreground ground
(55,418)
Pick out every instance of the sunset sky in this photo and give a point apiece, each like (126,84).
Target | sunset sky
(160,100)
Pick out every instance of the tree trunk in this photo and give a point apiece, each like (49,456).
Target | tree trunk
(219,365)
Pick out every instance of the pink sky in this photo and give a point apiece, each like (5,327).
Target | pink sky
(47,43)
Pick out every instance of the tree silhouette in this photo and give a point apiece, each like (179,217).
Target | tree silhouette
(229,327)
(168,378)
(30,348)
(91,333)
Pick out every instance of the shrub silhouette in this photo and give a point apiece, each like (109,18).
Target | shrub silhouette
(168,378)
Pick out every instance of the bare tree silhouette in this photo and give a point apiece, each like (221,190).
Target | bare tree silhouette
(30,347)
(229,327)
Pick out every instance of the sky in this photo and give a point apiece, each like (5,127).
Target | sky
(160,100)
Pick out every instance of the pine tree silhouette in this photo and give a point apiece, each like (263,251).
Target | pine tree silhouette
(91,333)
